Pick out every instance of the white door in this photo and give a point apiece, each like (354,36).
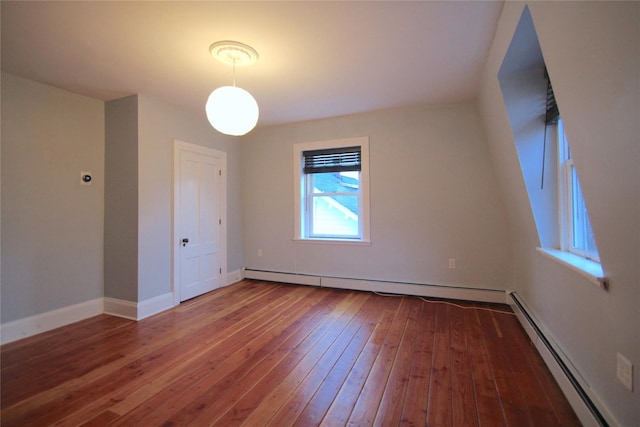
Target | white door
(198,222)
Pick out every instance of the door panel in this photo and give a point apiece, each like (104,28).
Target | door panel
(199,222)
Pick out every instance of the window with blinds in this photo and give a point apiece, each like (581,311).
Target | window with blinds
(332,193)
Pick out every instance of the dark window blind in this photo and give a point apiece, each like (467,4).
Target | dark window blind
(551,117)
(552,113)
(341,159)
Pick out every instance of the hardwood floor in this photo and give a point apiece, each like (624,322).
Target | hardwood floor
(258,354)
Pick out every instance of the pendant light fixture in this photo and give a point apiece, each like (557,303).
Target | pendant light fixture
(232,110)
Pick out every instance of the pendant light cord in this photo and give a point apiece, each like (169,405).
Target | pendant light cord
(234,72)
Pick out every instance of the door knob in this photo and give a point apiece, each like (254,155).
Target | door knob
(185,241)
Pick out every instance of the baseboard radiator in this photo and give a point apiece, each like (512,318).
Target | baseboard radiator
(400,288)
(584,406)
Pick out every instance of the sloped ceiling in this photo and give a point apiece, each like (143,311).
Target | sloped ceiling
(317,59)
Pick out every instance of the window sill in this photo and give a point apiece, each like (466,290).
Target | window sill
(335,241)
(591,270)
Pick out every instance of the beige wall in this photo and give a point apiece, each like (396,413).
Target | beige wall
(591,52)
(52,244)
(433,197)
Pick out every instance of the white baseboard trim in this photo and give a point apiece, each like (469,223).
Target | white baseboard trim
(121,308)
(155,305)
(431,291)
(233,277)
(138,311)
(32,325)
(587,406)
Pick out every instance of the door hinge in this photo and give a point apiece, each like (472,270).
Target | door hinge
(220,172)
(220,270)
(220,221)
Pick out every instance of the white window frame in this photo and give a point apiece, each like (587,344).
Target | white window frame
(302,232)
(565,192)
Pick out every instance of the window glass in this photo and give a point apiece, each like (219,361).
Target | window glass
(577,233)
(335,203)
(582,234)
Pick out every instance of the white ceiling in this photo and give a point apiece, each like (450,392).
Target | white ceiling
(317,59)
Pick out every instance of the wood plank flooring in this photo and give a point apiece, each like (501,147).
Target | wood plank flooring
(268,354)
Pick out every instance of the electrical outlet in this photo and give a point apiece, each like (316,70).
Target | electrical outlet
(452,263)
(624,372)
(259,252)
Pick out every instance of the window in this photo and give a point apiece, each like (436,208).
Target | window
(577,236)
(331,181)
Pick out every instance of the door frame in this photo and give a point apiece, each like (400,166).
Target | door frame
(178,148)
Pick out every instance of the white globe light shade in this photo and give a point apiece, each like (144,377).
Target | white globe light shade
(232,110)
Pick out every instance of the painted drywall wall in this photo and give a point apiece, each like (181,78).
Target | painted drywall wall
(433,197)
(121,199)
(592,54)
(158,125)
(116,239)
(140,135)
(52,241)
